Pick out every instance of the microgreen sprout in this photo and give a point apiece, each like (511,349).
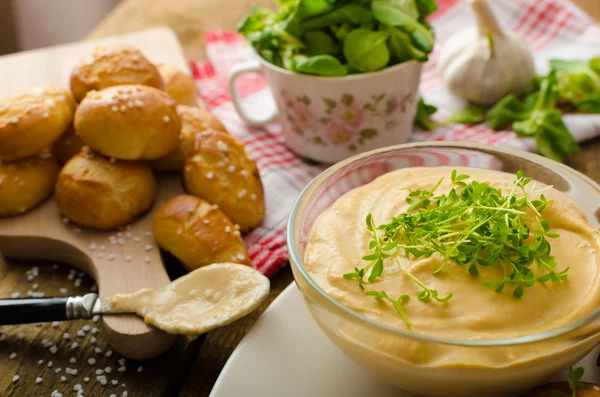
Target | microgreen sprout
(474,225)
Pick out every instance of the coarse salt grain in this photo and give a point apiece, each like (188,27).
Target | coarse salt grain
(114,382)
(97,350)
(92,246)
(40,362)
(206,221)
(86,328)
(108,370)
(80,333)
(20,336)
(147,259)
(140,368)
(121,369)
(217,295)
(92,361)
(148,247)
(93,340)
(53,349)
(209,175)
(57,370)
(95,318)
(75,345)
(128,258)
(13,355)
(99,371)
(253,196)
(77,387)
(63,378)
(231,168)
(166,119)
(49,364)
(227,229)
(108,353)
(136,239)
(122,361)
(208,292)
(148,234)
(241,257)
(66,336)
(86,379)
(72,360)
(15,294)
(38,380)
(15,378)
(55,324)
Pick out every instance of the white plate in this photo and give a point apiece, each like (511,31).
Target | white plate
(285,354)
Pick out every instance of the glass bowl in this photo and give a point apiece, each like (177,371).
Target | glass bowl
(402,358)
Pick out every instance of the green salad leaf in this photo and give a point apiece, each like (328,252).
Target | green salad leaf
(423,115)
(362,35)
(321,65)
(367,50)
(472,114)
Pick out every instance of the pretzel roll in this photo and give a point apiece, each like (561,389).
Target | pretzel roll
(112,65)
(67,146)
(96,192)
(129,122)
(27,182)
(33,119)
(197,233)
(218,170)
(193,121)
(179,85)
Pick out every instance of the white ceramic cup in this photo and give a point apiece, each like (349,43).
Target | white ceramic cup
(328,119)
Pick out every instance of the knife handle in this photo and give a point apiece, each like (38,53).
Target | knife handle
(40,310)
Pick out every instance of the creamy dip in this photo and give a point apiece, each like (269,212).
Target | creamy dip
(209,297)
(339,239)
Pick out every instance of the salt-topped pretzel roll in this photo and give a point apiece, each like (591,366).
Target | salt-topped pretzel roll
(193,121)
(218,170)
(26,182)
(129,122)
(179,85)
(112,65)
(103,193)
(198,233)
(33,119)
(67,146)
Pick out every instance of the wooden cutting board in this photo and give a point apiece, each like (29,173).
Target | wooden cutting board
(119,261)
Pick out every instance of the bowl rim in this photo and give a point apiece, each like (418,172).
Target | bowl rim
(298,264)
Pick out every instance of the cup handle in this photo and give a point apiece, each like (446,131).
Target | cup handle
(236,71)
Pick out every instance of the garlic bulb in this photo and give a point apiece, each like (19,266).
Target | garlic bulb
(482,64)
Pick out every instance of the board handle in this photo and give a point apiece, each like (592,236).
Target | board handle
(41,310)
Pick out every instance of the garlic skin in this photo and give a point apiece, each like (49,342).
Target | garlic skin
(483,63)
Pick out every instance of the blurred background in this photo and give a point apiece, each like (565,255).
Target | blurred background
(29,24)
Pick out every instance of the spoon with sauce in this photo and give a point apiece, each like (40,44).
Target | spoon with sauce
(207,298)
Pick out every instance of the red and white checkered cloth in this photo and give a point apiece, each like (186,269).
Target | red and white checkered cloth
(552,28)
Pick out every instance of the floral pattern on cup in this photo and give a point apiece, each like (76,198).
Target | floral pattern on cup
(346,122)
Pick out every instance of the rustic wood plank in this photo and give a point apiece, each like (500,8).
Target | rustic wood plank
(161,376)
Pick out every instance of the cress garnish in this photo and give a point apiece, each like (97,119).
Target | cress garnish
(473,225)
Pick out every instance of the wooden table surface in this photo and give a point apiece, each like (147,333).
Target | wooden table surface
(189,369)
